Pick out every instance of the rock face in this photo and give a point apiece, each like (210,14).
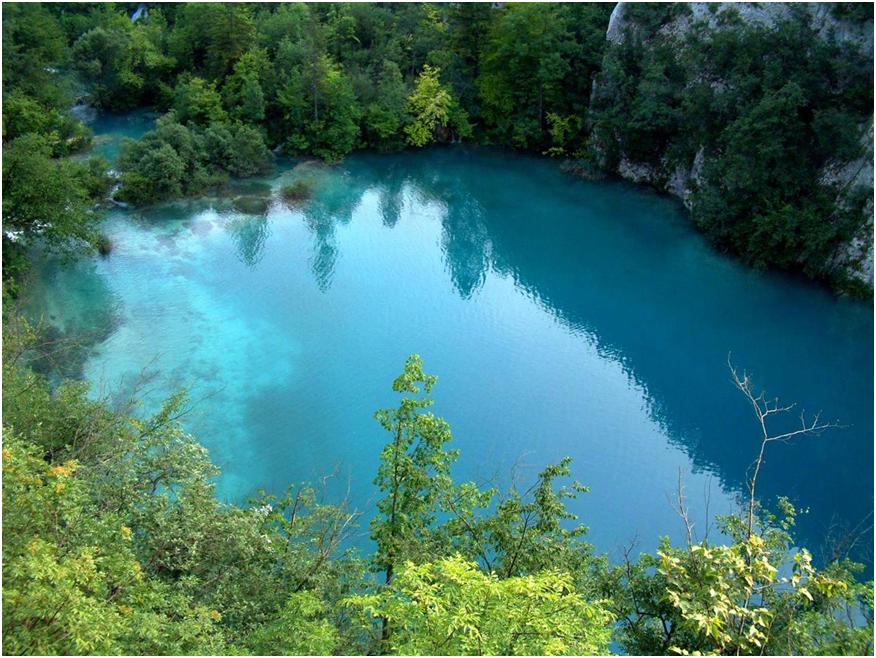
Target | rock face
(855,258)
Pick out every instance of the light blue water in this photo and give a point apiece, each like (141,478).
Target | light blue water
(562,317)
(111,129)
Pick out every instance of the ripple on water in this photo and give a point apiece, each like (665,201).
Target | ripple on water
(563,318)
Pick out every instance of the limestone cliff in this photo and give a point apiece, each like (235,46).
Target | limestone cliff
(854,259)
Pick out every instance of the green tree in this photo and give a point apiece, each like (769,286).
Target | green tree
(450,607)
(243,92)
(537,60)
(414,471)
(43,197)
(197,101)
(34,46)
(72,583)
(121,61)
(385,116)
(436,114)
(320,111)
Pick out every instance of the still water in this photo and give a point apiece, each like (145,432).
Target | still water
(563,317)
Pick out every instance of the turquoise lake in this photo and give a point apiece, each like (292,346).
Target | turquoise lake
(562,317)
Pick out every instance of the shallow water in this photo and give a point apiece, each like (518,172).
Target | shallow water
(562,317)
(110,130)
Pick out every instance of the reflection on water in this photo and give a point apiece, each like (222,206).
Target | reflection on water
(249,234)
(564,317)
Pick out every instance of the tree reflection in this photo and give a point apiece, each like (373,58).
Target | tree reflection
(623,267)
(249,234)
(335,199)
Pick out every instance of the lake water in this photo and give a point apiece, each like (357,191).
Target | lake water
(563,317)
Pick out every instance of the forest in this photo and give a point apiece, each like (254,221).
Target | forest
(114,541)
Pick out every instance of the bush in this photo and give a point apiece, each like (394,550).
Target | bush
(175,160)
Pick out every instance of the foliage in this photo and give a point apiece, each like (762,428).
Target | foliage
(115,543)
(72,583)
(320,114)
(756,595)
(44,197)
(196,101)
(450,607)
(122,61)
(175,160)
(385,116)
(765,109)
(436,114)
(414,471)
(114,539)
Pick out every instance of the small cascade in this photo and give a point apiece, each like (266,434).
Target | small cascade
(142,11)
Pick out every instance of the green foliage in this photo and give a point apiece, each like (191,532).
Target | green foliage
(385,116)
(114,542)
(414,471)
(175,160)
(436,113)
(72,583)
(756,595)
(23,114)
(320,113)
(538,60)
(197,101)
(300,629)
(121,61)
(243,91)
(34,46)
(44,198)
(450,607)
(525,533)
(767,108)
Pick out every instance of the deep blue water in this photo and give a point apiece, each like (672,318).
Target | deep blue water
(563,317)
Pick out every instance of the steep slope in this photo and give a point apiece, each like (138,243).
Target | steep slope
(682,88)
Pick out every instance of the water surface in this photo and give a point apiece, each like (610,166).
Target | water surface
(562,317)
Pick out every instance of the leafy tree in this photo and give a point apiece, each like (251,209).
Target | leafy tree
(300,629)
(197,101)
(320,113)
(385,116)
(43,197)
(436,114)
(734,599)
(34,45)
(209,38)
(175,160)
(243,92)
(451,607)
(525,532)
(122,61)
(72,583)
(414,471)
(764,109)
(248,154)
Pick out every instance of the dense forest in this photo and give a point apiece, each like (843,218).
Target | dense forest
(113,538)
(767,108)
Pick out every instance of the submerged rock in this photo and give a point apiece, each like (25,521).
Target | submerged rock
(104,245)
(296,192)
(251,205)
